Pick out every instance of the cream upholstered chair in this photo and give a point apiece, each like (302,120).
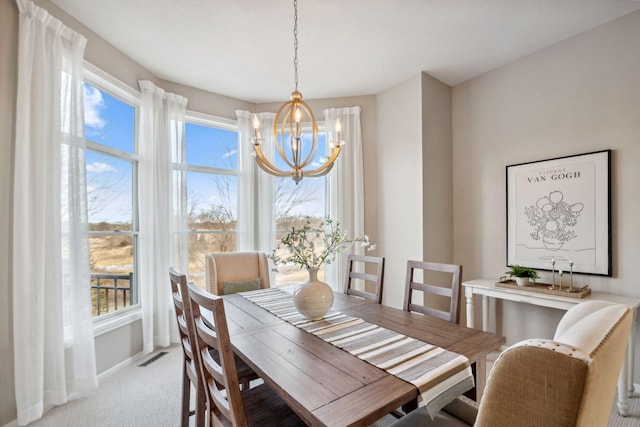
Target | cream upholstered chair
(568,381)
(237,270)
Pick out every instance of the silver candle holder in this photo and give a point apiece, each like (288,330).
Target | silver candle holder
(560,284)
(571,288)
(553,274)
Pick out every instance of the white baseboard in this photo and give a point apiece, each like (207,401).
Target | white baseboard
(130,361)
(13,423)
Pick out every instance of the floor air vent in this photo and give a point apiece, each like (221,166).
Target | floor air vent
(153,359)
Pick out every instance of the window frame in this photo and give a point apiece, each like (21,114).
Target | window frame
(105,82)
(207,120)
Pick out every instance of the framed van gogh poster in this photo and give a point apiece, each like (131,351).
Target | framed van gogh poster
(560,210)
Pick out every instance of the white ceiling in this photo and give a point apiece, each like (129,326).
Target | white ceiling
(244,48)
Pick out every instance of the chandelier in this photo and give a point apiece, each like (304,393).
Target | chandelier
(288,132)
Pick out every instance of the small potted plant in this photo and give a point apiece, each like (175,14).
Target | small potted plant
(522,274)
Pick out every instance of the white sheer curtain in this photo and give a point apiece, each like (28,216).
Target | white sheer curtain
(52,324)
(256,194)
(162,117)
(180,201)
(345,187)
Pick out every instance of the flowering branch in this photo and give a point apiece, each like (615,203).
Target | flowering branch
(304,251)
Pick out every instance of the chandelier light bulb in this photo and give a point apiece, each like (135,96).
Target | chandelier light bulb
(256,129)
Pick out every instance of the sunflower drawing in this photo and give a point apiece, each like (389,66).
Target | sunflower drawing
(551,219)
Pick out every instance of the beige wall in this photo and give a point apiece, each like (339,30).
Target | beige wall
(400,185)
(577,96)
(8,72)
(437,182)
(414,181)
(437,203)
(100,53)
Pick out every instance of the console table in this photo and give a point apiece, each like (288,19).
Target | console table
(487,288)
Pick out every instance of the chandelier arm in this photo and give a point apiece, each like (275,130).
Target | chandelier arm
(280,141)
(266,165)
(319,172)
(326,166)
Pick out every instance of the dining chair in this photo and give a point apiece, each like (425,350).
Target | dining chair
(190,365)
(354,276)
(453,292)
(564,382)
(228,405)
(231,272)
(191,369)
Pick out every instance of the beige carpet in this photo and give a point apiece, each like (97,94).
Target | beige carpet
(150,396)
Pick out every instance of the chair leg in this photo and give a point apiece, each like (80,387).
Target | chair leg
(201,407)
(186,395)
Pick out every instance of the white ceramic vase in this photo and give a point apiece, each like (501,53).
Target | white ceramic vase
(522,281)
(314,298)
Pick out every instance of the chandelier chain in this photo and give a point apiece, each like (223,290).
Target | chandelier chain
(295,42)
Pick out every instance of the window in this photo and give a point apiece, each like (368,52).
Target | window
(111,165)
(295,204)
(209,172)
(208,176)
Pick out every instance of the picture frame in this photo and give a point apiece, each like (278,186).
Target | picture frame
(559,211)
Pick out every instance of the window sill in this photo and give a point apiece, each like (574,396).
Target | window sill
(117,320)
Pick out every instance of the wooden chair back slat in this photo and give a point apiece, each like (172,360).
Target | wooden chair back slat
(453,293)
(377,279)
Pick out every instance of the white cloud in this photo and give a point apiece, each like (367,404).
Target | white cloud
(93,104)
(98,167)
(229,154)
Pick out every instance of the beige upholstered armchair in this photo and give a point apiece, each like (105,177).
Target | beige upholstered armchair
(232,272)
(568,381)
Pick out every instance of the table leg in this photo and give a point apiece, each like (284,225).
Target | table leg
(631,355)
(410,406)
(485,313)
(625,381)
(623,388)
(481,376)
(468,293)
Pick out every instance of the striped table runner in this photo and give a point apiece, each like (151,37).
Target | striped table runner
(440,375)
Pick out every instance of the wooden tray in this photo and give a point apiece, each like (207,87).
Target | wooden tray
(543,288)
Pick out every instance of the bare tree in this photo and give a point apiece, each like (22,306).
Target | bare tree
(289,195)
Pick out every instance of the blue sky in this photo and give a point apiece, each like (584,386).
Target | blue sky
(111,122)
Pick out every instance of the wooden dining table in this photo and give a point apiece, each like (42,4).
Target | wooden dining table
(327,386)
